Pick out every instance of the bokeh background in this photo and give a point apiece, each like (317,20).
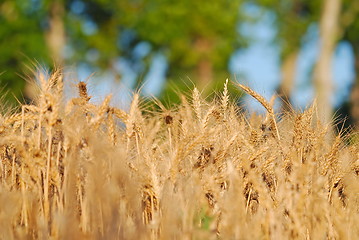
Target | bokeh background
(300,49)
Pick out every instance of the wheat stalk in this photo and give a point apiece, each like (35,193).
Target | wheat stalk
(265,104)
(184,172)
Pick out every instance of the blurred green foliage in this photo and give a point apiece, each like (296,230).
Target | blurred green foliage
(184,31)
(174,27)
(21,41)
(99,32)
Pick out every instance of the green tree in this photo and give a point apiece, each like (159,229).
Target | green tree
(197,37)
(21,40)
(94,26)
(36,32)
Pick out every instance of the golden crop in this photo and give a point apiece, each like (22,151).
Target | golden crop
(202,170)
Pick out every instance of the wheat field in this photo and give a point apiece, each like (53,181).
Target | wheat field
(200,170)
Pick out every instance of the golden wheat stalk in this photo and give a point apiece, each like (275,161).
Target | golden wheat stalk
(264,103)
(100,172)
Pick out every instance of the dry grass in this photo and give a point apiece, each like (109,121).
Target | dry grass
(203,170)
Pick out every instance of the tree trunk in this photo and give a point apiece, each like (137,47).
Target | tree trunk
(354,96)
(329,27)
(204,68)
(55,35)
(204,73)
(289,68)
(55,40)
(354,105)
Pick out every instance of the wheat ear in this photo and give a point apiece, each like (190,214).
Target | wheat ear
(264,103)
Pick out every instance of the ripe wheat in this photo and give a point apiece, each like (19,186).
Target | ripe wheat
(202,170)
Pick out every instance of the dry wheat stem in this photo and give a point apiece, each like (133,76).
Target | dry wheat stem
(265,104)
